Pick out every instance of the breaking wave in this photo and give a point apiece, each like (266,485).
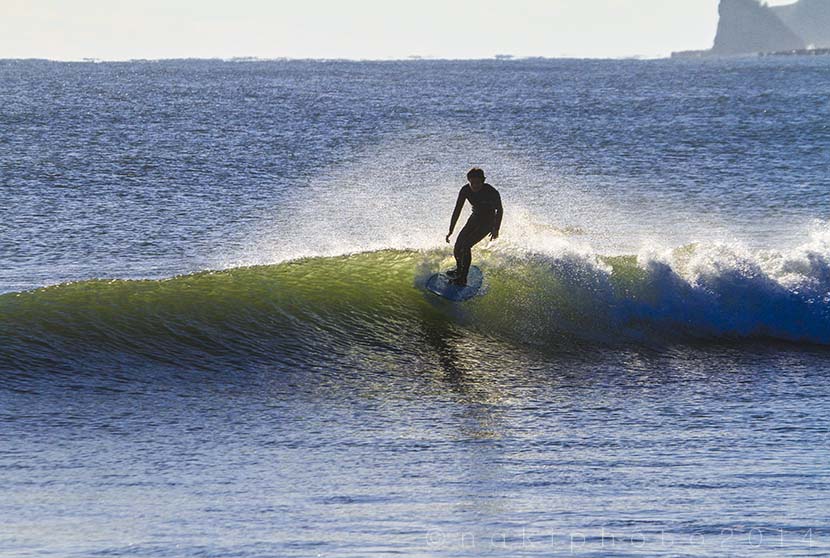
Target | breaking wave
(375,301)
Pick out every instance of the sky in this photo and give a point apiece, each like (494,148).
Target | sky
(355,29)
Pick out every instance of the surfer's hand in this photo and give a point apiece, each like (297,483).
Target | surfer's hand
(494,235)
(448,238)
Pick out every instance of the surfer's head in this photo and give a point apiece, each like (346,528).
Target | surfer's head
(476,177)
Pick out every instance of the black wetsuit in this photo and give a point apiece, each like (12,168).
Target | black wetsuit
(486,219)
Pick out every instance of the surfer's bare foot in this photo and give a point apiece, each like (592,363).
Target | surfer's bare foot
(452,273)
(459,282)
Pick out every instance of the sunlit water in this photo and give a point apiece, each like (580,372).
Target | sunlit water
(234,354)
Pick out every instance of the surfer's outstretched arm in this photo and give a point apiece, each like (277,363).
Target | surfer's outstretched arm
(459,204)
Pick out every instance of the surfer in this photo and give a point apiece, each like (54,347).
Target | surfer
(485,219)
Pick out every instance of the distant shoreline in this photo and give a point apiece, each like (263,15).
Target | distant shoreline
(710,54)
(250,59)
(685,54)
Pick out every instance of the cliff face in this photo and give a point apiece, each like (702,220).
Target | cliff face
(747,27)
(810,19)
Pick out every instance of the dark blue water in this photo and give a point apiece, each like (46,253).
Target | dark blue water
(215,340)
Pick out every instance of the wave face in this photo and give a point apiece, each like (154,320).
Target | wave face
(320,308)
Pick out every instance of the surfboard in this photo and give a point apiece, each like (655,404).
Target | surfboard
(440,285)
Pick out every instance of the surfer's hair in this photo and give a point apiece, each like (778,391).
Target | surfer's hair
(477,172)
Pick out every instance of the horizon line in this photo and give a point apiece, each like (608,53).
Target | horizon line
(411,58)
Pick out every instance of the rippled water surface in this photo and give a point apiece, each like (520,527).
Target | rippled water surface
(215,340)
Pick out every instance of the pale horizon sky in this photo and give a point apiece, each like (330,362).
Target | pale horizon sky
(356,29)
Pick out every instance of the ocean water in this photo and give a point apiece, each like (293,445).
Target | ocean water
(215,338)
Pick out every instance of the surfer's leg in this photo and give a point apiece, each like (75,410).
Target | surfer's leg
(463,254)
(470,235)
